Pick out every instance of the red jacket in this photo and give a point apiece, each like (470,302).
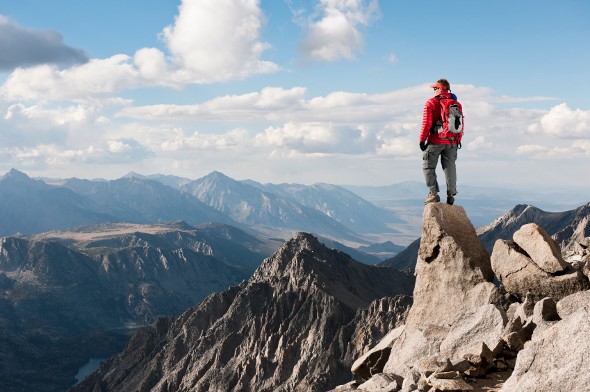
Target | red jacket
(430,116)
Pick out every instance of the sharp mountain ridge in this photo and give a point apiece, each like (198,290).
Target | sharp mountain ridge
(285,329)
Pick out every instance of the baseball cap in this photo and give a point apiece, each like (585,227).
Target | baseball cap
(439,85)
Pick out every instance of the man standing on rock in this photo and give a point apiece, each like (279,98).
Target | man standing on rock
(434,146)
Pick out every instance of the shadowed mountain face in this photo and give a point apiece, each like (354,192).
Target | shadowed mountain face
(287,328)
(66,297)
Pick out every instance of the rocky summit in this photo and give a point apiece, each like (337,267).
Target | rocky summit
(297,324)
(528,332)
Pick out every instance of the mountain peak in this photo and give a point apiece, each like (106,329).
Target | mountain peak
(133,174)
(292,260)
(214,180)
(305,263)
(217,175)
(14,174)
(20,179)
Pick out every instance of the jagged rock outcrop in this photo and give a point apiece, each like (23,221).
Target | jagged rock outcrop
(533,264)
(453,275)
(572,303)
(551,344)
(291,327)
(453,270)
(370,327)
(579,256)
(556,359)
(490,340)
(455,314)
(373,361)
(472,328)
(540,247)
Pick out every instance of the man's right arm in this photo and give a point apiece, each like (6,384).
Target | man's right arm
(426,121)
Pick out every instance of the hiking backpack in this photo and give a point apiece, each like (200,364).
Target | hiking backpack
(450,125)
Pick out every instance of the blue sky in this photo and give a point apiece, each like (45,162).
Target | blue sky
(291,91)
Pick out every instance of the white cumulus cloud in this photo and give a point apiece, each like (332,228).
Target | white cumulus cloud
(336,34)
(203,141)
(42,115)
(53,155)
(399,147)
(254,105)
(543,151)
(218,40)
(563,121)
(291,105)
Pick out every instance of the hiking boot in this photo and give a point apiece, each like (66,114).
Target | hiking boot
(450,200)
(432,198)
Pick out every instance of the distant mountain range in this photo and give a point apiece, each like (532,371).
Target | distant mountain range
(145,201)
(358,217)
(33,206)
(268,212)
(339,204)
(565,227)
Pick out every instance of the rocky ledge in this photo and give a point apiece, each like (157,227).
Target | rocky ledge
(527,330)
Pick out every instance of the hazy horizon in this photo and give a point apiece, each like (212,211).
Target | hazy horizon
(549,199)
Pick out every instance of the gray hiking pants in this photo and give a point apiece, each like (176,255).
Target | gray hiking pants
(448,155)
